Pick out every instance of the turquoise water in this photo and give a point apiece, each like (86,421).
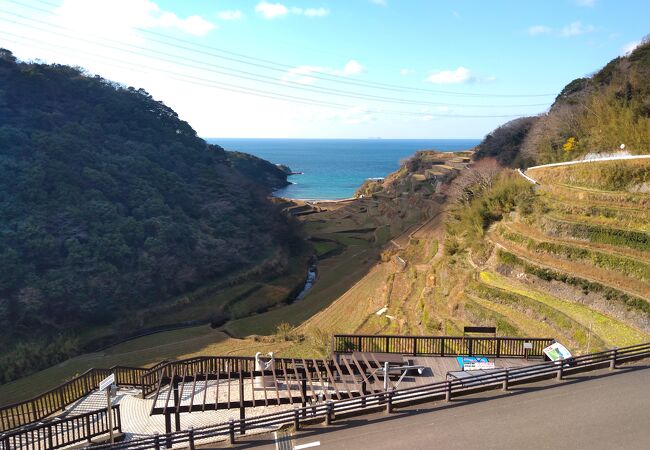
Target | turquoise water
(335,168)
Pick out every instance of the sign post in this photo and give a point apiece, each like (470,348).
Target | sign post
(106,384)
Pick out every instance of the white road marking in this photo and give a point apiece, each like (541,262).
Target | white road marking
(309,445)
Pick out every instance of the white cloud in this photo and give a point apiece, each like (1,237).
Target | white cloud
(316,12)
(576,29)
(457,76)
(352,68)
(310,12)
(230,15)
(404,72)
(629,47)
(301,74)
(539,29)
(271,10)
(573,29)
(120,17)
(590,3)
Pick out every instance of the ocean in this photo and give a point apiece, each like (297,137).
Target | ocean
(334,168)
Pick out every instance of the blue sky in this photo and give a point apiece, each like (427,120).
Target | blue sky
(351,68)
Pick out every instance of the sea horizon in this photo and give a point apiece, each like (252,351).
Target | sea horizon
(334,168)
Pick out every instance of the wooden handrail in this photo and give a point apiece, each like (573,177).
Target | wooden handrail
(23,413)
(61,433)
(511,347)
(388,400)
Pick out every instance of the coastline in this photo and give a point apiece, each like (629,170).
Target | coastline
(333,169)
(320,201)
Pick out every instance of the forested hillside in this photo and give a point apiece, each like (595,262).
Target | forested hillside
(109,203)
(591,114)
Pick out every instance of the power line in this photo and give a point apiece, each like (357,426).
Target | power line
(249,91)
(267,64)
(244,74)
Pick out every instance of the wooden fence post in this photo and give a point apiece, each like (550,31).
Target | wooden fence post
(296,419)
(156,441)
(415,346)
(191,437)
(612,362)
(119,418)
(504,386)
(242,408)
(61,402)
(87,420)
(177,415)
(328,414)
(50,441)
(34,415)
(231,431)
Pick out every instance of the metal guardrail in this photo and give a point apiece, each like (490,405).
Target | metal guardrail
(444,390)
(500,347)
(59,433)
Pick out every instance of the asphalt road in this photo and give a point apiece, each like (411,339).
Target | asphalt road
(600,410)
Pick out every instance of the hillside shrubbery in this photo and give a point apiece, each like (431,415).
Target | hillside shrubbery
(486,203)
(504,143)
(110,203)
(594,114)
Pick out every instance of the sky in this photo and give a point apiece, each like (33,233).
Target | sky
(333,68)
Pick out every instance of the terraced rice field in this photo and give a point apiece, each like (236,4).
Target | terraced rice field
(580,267)
(576,269)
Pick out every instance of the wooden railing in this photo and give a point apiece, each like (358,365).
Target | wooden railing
(202,364)
(42,406)
(389,400)
(505,347)
(37,408)
(61,433)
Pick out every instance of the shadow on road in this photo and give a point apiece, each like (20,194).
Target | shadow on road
(378,417)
